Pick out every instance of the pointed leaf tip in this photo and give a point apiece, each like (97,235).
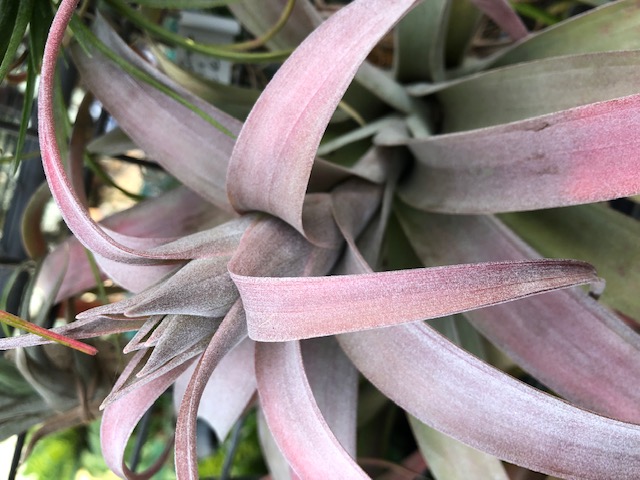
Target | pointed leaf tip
(18,322)
(290,308)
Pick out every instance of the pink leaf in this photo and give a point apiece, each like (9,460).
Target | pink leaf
(121,417)
(202,287)
(101,241)
(467,399)
(294,417)
(88,328)
(280,309)
(278,143)
(217,390)
(176,137)
(581,155)
(565,328)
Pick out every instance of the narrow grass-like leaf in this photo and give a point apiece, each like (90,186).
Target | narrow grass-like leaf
(7,23)
(22,17)
(232,99)
(27,107)
(581,155)
(216,51)
(17,322)
(259,17)
(81,329)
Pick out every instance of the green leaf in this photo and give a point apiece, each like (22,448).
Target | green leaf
(41,19)
(535,13)
(536,88)
(89,42)
(26,112)
(463,19)
(9,9)
(610,27)
(420,38)
(595,233)
(216,51)
(56,457)
(22,17)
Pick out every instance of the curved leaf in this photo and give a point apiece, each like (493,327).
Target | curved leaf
(615,22)
(101,241)
(489,410)
(582,155)
(294,418)
(278,142)
(120,418)
(536,88)
(189,395)
(567,328)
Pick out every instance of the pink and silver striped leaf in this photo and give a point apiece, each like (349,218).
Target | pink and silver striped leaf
(581,155)
(461,396)
(294,418)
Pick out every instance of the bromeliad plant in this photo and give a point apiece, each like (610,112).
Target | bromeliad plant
(275,270)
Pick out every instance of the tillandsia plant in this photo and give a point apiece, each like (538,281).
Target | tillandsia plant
(274,270)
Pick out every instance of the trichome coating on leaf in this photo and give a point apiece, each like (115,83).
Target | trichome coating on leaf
(271,276)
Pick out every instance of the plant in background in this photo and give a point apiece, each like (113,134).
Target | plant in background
(274,270)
